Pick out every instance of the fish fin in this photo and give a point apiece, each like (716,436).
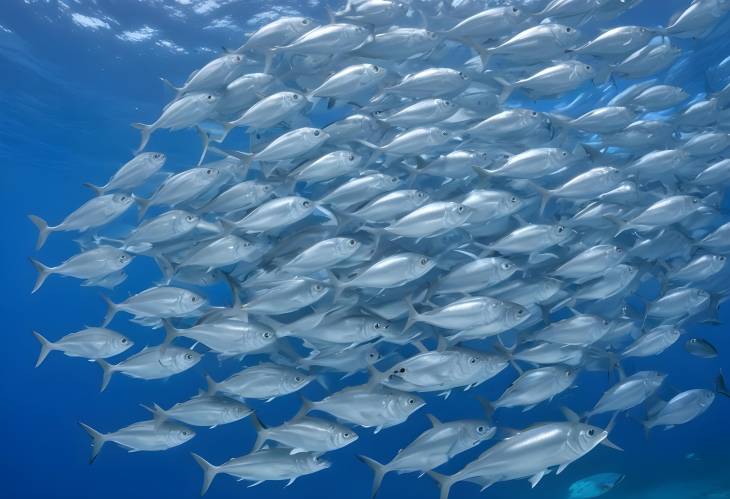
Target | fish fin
(169,85)
(535,479)
(444,481)
(337,285)
(307,406)
(379,471)
(43,230)
(43,273)
(434,420)
(507,89)
(212,385)
(170,334)
(145,131)
(413,316)
(98,440)
(111,310)
(487,406)
(720,386)
(97,190)
(297,450)
(143,204)
(528,408)
(209,472)
(47,346)
(205,138)
(562,467)
(108,370)
(570,415)
(255,483)
(158,413)
(291,481)
(261,433)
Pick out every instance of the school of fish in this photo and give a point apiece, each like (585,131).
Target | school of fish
(501,186)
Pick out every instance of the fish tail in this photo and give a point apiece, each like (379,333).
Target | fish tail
(379,471)
(158,412)
(261,433)
(170,334)
(111,310)
(337,285)
(307,406)
(444,481)
(145,131)
(172,87)
(720,386)
(413,315)
(46,347)
(43,273)
(507,89)
(98,440)
(143,204)
(205,138)
(43,230)
(107,371)
(97,190)
(489,408)
(212,385)
(209,472)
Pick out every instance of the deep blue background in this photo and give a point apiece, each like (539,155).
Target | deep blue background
(67,96)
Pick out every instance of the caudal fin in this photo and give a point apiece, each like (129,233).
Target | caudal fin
(445,482)
(98,440)
(43,230)
(97,190)
(261,433)
(143,205)
(379,471)
(209,472)
(413,316)
(146,131)
(108,370)
(46,347)
(170,333)
(720,386)
(43,273)
(111,310)
(212,385)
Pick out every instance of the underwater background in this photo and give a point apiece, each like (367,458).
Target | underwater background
(73,76)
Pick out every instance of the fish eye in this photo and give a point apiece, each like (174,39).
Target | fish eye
(560,229)
(352,242)
(721,258)
(185,433)
(305,21)
(411,401)
(460,209)
(194,298)
(190,218)
(351,157)
(444,133)
(393,180)
(402,370)
(513,200)
(420,194)
(591,432)
(515,10)
(317,287)
(605,322)
(520,311)
(238,58)
(473,360)
(124,341)
(123,198)
(306,204)
(209,171)
(210,97)
(295,96)
(506,266)
(267,188)
(588,67)
(346,434)
(267,335)
(564,153)
(156,156)
(376,68)
(297,378)
(695,200)
(188,356)
(534,114)
(316,133)
(568,30)
(423,261)
(376,325)
(619,250)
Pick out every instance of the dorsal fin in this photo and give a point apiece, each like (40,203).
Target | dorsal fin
(434,420)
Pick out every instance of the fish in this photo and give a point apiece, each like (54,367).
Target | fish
(397,200)
(701,348)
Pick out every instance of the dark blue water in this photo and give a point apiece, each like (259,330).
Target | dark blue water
(68,93)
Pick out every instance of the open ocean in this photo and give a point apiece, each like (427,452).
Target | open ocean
(73,76)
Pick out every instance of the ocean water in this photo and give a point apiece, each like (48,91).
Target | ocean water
(73,76)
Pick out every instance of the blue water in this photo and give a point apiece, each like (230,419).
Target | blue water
(69,88)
